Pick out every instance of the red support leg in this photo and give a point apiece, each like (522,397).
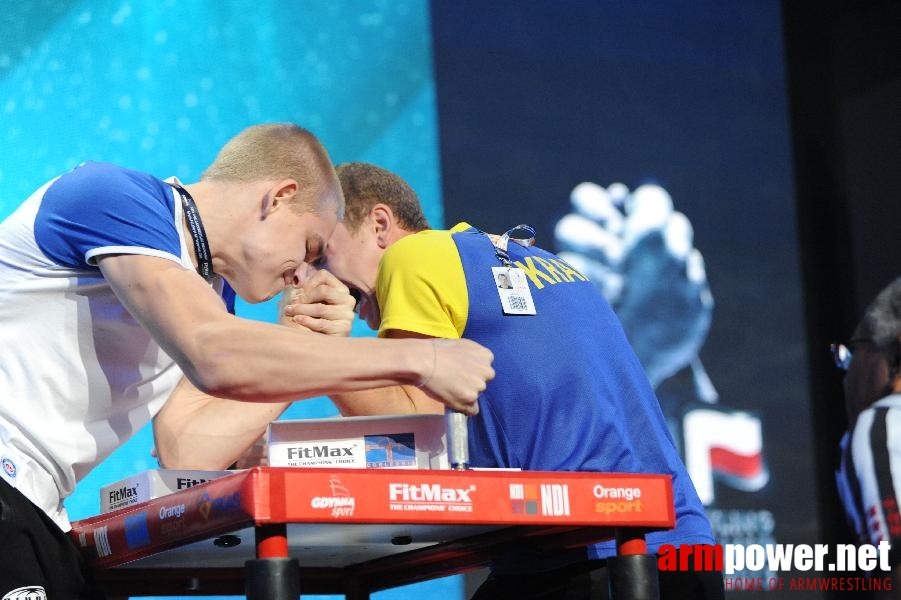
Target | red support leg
(633,572)
(273,575)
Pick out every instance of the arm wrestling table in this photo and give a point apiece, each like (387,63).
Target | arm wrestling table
(269,532)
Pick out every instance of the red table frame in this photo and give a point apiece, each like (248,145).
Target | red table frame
(134,550)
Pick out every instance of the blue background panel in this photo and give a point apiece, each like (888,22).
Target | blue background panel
(161,86)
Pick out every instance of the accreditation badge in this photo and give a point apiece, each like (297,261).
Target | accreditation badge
(513,290)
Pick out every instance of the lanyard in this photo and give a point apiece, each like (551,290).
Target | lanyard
(500,244)
(512,286)
(198,234)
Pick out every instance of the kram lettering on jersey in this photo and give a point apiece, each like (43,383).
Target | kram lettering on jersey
(548,271)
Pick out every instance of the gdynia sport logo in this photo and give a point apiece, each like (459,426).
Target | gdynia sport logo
(760,566)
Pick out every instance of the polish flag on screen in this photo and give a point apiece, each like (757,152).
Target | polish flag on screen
(726,446)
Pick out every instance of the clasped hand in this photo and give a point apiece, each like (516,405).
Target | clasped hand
(318,302)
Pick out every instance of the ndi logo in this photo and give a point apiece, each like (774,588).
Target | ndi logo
(9,467)
(555,499)
(550,499)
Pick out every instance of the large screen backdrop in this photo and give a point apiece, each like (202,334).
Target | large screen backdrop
(648,142)
(160,86)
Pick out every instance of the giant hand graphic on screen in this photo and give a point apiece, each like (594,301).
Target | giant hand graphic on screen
(640,253)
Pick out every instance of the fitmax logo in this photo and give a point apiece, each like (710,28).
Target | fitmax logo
(122,493)
(319,452)
(182,483)
(406,492)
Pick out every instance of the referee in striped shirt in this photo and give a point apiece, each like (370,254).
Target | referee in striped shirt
(871,448)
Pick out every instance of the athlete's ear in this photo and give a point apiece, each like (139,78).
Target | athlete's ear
(283,192)
(384,223)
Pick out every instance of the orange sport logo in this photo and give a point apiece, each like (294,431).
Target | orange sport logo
(617,499)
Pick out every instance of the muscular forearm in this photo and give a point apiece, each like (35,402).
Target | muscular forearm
(230,357)
(197,431)
(262,362)
(394,400)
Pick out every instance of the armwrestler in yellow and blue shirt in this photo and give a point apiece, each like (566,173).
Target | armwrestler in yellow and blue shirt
(569,392)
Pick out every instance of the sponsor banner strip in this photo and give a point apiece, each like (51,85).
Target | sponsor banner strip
(265,495)
(478,497)
(177,519)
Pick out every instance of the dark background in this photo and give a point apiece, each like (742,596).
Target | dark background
(775,128)
(844,76)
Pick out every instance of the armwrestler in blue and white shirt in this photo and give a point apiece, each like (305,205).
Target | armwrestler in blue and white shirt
(107,323)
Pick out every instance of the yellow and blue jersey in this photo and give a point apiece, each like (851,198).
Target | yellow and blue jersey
(569,395)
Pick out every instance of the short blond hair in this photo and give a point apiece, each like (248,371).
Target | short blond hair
(274,151)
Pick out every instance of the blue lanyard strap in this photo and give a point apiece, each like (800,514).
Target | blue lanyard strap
(500,244)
